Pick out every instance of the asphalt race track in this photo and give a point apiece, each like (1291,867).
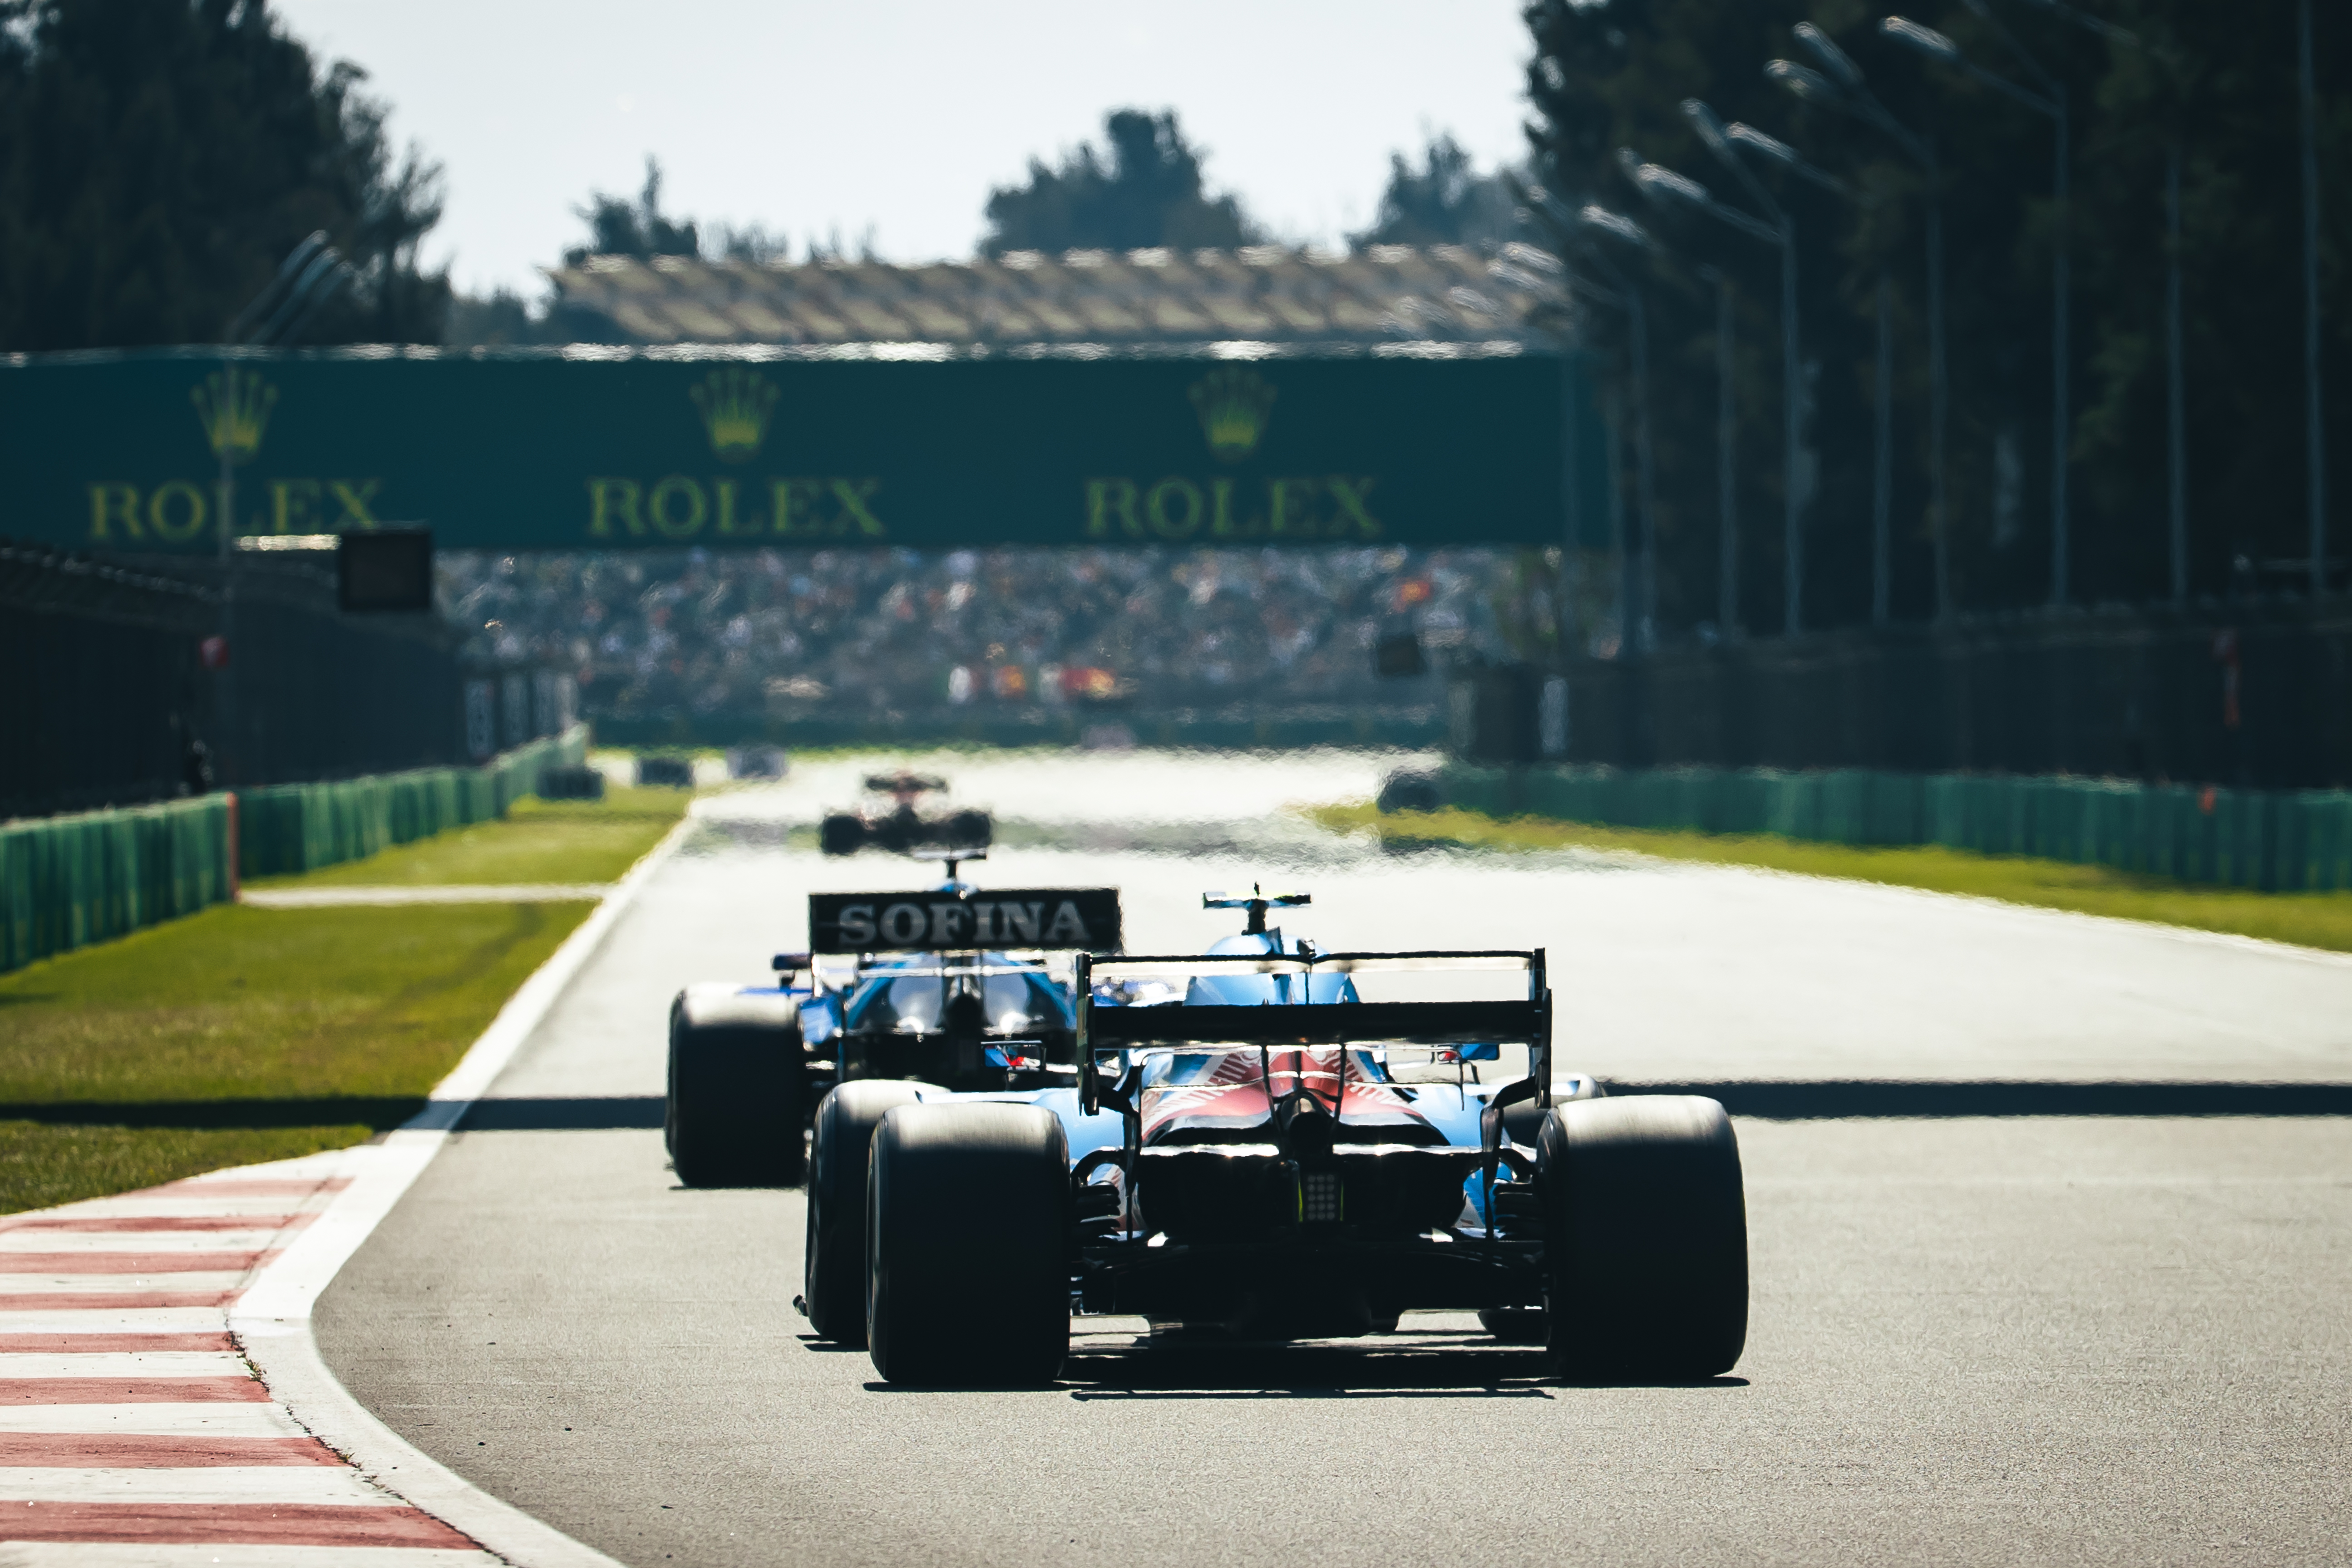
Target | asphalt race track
(2118,1334)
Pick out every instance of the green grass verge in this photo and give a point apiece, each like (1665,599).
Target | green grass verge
(242,1034)
(42,1164)
(2307,920)
(539,841)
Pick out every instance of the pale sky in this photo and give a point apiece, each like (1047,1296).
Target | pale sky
(901,114)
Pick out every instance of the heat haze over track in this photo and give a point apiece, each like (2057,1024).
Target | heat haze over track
(2106,1337)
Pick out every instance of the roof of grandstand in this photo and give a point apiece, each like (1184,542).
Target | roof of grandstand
(1395,294)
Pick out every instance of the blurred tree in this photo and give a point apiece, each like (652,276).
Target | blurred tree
(1144,190)
(1444,202)
(159,158)
(499,320)
(2217,81)
(618,226)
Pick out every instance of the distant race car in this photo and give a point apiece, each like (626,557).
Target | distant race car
(1252,1151)
(887,819)
(950,985)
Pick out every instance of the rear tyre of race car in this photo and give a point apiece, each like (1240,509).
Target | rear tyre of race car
(1647,1236)
(733,1116)
(832,1280)
(840,834)
(969,1247)
(968,829)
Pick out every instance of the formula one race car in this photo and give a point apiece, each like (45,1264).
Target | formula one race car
(1240,1159)
(887,819)
(951,986)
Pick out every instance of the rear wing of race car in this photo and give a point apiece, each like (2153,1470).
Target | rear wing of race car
(966,917)
(1104,1030)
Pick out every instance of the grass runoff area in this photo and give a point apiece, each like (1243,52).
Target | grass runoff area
(240,1033)
(540,841)
(2307,920)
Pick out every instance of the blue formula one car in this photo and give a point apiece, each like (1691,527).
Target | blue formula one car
(1246,1155)
(952,986)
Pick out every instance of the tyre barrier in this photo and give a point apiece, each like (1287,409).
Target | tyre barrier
(2274,840)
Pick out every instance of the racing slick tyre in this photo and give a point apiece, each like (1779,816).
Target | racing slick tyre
(968,1249)
(840,834)
(832,1279)
(734,1115)
(1647,1236)
(968,829)
(1524,1122)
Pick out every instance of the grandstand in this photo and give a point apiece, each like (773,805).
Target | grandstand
(717,645)
(1432,299)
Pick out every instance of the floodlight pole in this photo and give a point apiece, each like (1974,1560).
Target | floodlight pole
(1637,577)
(309,277)
(2062,424)
(1882,476)
(2176,365)
(2051,101)
(2314,431)
(2175,414)
(1849,95)
(1781,227)
(1881,411)
(1640,565)
(1572,507)
(1727,435)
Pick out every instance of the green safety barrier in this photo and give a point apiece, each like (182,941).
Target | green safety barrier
(69,881)
(2275,840)
(286,828)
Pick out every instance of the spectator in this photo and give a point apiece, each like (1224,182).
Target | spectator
(862,631)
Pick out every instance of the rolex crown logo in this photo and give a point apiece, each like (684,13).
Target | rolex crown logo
(735,404)
(1232,403)
(233,406)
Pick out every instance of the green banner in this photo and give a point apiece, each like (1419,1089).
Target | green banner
(616,448)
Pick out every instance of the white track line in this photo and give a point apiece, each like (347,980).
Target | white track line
(150,1434)
(110,1554)
(125,1363)
(272,1319)
(116,1321)
(150,1421)
(280,1485)
(55,1242)
(79,1284)
(341,898)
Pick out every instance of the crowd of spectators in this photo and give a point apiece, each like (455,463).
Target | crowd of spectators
(863,633)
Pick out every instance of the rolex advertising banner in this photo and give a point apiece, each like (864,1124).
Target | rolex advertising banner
(614,449)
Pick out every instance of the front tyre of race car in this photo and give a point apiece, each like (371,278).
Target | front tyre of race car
(1645,1228)
(968,1211)
(734,1113)
(832,1290)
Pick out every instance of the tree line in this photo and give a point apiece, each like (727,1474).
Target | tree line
(159,159)
(2183,119)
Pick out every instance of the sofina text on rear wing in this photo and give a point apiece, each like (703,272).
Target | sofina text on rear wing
(1068,918)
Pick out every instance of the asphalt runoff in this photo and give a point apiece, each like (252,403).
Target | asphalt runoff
(2087,1329)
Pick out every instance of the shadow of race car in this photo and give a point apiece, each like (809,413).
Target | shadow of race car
(888,819)
(1242,1157)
